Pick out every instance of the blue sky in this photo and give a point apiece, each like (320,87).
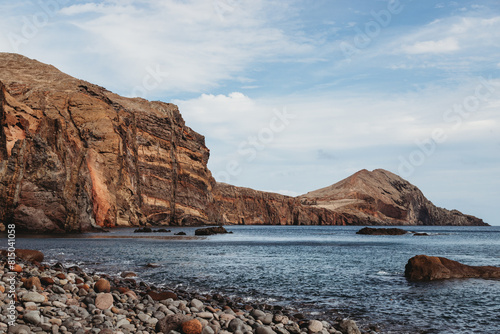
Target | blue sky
(296,95)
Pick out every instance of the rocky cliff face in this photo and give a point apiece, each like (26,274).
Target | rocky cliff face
(74,155)
(251,207)
(384,199)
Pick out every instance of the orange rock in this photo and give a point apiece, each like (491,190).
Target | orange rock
(17,268)
(33,282)
(2,289)
(61,276)
(192,327)
(102,285)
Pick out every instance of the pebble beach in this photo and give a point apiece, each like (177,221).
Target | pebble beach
(38,298)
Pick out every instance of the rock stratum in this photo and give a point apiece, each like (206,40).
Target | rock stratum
(75,156)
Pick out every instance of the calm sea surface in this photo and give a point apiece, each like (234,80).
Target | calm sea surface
(315,269)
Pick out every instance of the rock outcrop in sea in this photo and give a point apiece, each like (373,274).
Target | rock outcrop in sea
(75,156)
(430,268)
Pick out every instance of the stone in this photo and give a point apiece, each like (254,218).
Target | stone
(236,325)
(196,303)
(205,315)
(264,330)
(19,329)
(33,297)
(33,317)
(226,317)
(349,327)
(315,326)
(158,296)
(104,301)
(429,268)
(192,327)
(171,323)
(46,280)
(33,282)
(102,285)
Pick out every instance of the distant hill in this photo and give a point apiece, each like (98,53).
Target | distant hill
(386,199)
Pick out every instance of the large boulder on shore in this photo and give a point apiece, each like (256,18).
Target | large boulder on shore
(429,268)
(26,254)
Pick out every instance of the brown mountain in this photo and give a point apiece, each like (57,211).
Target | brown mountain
(74,155)
(385,199)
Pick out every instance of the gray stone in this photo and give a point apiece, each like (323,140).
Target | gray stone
(33,317)
(143,317)
(235,325)
(205,315)
(198,304)
(267,319)
(349,327)
(207,330)
(264,330)
(34,297)
(258,314)
(315,326)
(19,329)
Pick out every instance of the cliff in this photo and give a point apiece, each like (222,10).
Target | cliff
(74,155)
(246,206)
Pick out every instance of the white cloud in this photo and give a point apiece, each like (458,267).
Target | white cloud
(199,43)
(449,44)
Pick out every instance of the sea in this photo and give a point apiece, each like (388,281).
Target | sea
(323,271)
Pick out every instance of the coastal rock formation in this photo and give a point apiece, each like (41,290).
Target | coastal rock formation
(74,155)
(429,268)
(246,206)
(383,198)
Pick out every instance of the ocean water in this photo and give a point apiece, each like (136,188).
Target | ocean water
(320,269)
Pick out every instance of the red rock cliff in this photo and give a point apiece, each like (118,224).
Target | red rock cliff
(73,155)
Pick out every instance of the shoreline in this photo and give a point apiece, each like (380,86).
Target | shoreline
(50,299)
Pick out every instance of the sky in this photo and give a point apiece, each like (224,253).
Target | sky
(296,95)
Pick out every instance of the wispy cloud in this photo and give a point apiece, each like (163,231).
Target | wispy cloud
(449,44)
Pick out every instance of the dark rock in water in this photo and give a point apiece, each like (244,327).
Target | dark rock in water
(180,233)
(381,231)
(211,230)
(143,230)
(27,255)
(153,265)
(429,268)
(423,234)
